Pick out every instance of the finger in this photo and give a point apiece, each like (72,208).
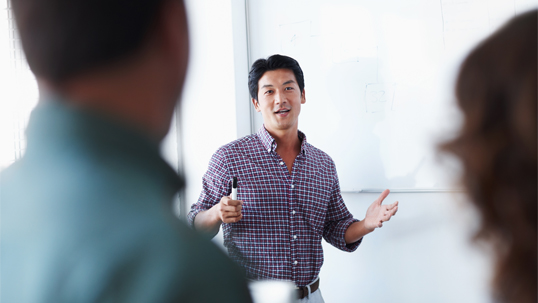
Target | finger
(224,200)
(382,197)
(234,202)
(394,210)
(391,206)
(388,215)
(231,214)
(229,208)
(233,219)
(232,207)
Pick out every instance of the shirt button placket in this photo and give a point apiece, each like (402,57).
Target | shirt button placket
(292,194)
(293,232)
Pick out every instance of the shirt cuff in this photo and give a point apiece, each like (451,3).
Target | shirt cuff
(351,247)
(191,215)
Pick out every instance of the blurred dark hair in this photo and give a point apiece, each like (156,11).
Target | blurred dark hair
(497,145)
(63,38)
(273,63)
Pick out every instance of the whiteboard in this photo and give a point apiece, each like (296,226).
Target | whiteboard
(379,79)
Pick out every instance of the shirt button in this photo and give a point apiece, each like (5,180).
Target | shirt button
(295,236)
(269,150)
(295,263)
(281,163)
(292,186)
(293,212)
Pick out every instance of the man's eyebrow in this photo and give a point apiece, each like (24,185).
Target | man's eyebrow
(267,85)
(288,82)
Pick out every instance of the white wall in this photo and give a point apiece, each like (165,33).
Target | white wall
(423,254)
(213,101)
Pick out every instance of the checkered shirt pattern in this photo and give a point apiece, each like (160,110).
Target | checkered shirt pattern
(284,216)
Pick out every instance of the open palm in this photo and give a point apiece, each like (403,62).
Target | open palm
(378,213)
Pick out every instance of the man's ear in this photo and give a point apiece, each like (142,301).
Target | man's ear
(303,97)
(256,104)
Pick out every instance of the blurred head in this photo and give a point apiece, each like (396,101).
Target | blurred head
(63,39)
(272,63)
(125,59)
(497,92)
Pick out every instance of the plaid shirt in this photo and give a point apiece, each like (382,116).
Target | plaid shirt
(284,216)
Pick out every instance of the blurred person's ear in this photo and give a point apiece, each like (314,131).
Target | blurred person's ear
(173,36)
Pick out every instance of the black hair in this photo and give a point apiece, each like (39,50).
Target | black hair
(274,62)
(63,38)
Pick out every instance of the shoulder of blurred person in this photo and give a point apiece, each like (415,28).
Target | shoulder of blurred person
(82,222)
(497,92)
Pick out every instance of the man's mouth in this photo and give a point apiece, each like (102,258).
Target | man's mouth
(282,111)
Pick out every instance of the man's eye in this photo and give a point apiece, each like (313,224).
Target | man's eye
(268,92)
(289,88)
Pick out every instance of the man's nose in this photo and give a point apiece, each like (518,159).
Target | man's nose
(280,98)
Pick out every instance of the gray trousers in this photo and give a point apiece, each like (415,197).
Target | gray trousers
(313,298)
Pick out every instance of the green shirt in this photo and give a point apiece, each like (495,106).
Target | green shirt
(86,217)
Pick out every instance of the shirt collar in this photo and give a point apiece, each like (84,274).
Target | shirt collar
(269,143)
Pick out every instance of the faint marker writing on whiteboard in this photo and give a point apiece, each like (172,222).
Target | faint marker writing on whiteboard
(379,97)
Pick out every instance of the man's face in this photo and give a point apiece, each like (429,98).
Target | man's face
(279,100)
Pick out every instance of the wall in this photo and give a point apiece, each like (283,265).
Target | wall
(379,78)
(423,254)
(214,107)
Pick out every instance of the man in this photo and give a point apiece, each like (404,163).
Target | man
(86,213)
(288,191)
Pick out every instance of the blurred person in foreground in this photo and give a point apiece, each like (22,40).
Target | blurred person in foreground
(86,214)
(497,93)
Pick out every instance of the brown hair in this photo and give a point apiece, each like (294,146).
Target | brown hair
(497,92)
(63,38)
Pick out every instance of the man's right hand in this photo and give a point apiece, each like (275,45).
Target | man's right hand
(228,210)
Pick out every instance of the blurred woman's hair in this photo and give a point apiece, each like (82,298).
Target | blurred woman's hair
(496,90)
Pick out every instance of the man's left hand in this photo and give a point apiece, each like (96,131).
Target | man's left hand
(378,213)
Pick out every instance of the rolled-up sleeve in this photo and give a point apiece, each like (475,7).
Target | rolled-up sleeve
(338,220)
(216,184)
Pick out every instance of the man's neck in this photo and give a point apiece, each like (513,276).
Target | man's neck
(128,94)
(287,141)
